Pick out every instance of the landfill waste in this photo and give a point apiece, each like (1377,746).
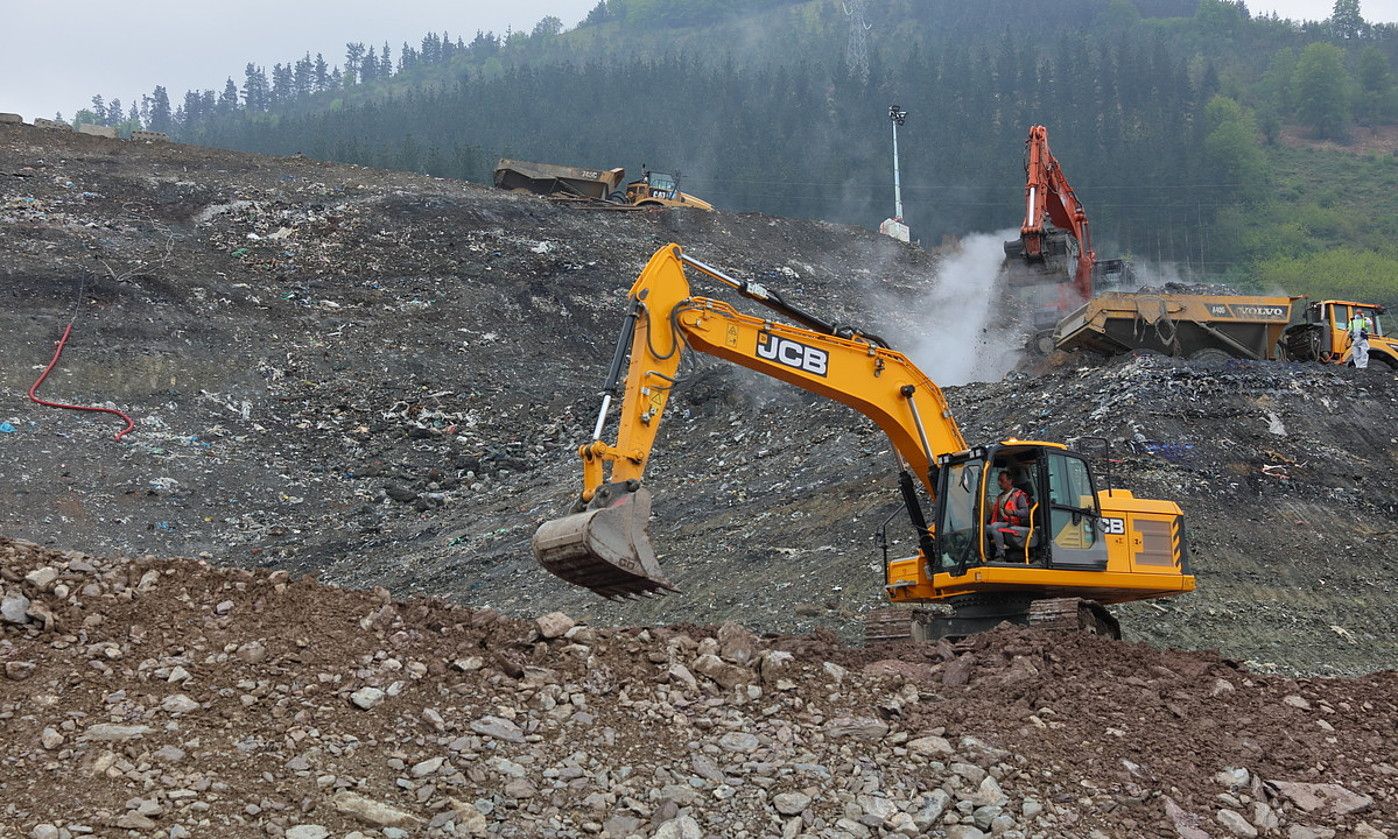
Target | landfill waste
(392,393)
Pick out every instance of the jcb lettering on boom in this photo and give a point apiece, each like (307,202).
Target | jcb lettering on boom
(792,354)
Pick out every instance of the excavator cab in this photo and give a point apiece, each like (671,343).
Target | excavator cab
(1064,514)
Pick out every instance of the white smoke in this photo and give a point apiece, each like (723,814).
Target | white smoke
(968,338)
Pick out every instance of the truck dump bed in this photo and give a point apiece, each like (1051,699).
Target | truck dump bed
(550,179)
(1183,325)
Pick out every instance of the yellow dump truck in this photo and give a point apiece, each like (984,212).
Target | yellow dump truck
(1196,326)
(599,188)
(1216,327)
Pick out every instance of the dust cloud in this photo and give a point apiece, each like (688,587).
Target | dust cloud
(968,337)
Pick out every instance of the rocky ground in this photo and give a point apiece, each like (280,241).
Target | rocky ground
(381,378)
(171,697)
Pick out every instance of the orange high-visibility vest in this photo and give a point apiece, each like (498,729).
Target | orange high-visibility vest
(1002,510)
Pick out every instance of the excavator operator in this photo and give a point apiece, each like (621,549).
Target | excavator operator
(1009,516)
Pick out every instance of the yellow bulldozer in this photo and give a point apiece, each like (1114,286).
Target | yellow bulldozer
(1017,530)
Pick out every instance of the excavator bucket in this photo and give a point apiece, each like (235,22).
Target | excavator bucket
(606,550)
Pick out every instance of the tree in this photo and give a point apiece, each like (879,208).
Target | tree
(1236,164)
(322,73)
(255,93)
(1375,85)
(1346,23)
(386,63)
(228,100)
(547,27)
(1322,90)
(160,110)
(354,54)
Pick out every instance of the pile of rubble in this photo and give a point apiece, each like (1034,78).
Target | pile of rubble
(169,697)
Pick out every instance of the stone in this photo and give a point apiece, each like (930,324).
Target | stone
(1233,778)
(836,673)
(520,789)
(1235,823)
(306,831)
(989,793)
(1297,701)
(372,812)
(736,644)
(469,820)
(50,739)
(111,732)
(44,831)
(1301,831)
(902,824)
(791,803)
(868,729)
(969,771)
(1030,808)
(679,673)
(18,671)
(1364,830)
(1326,799)
(499,728)
(929,746)
(933,805)
(680,827)
(725,674)
(775,665)
(738,741)
(169,754)
(554,625)
(964,831)
(42,578)
(177,704)
(367,697)
(958,672)
(1264,817)
(427,767)
(14,608)
(135,821)
(1187,825)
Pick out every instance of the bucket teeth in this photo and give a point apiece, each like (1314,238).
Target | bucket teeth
(606,550)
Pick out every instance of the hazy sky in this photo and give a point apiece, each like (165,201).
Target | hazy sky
(59,52)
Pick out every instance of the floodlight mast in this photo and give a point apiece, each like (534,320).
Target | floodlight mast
(897,116)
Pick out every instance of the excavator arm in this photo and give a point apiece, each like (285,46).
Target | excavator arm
(1048,195)
(603,546)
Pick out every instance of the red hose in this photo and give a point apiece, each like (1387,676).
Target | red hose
(34,391)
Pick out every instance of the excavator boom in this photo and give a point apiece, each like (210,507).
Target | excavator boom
(603,546)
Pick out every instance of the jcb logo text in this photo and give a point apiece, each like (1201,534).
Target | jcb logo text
(792,354)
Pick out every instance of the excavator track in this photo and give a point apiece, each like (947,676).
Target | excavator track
(1073,614)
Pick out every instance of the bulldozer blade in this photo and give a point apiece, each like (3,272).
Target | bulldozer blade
(606,550)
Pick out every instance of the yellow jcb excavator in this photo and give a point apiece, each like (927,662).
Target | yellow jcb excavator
(1081,544)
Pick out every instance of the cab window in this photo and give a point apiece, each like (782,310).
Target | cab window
(1072,503)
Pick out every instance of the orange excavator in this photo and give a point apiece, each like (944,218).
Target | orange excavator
(1052,266)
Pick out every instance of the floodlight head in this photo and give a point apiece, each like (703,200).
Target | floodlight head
(897,114)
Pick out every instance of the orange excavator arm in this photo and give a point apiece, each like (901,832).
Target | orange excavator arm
(1049,196)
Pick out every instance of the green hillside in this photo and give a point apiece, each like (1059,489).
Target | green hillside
(1174,119)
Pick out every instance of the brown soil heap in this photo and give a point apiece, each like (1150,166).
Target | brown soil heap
(167,697)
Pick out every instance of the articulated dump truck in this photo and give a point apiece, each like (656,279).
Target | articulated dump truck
(602,189)
(1195,326)
(1217,327)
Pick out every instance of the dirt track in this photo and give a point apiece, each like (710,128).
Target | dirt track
(381,378)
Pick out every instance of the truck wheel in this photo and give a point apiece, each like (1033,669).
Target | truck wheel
(1211,356)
